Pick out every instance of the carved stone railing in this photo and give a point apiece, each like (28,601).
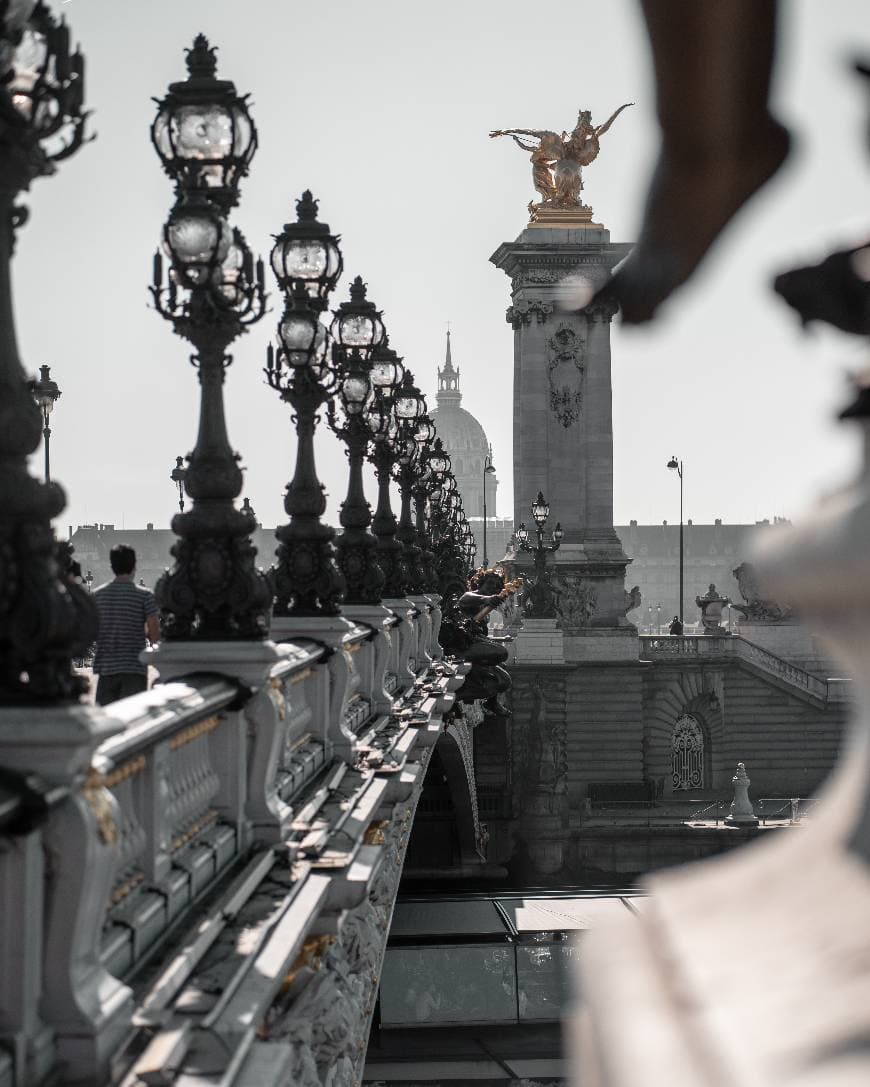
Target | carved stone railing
(262,788)
(700,646)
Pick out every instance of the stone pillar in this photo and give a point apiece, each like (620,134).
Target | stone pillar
(563,432)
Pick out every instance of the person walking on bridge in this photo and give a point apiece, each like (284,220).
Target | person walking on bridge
(127,612)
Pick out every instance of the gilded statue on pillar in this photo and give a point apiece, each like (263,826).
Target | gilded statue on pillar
(557,160)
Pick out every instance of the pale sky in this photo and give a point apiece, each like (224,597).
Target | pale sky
(382,109)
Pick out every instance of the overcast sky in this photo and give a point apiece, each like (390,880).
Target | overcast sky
(383,108)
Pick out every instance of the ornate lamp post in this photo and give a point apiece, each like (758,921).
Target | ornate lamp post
(205,140)
(45,618)
(488,470)
(46,393)
(307,263)
(410,406)
(203,132)
(386,374)
(425,479)
(540,602)
(677,466)
(178,475)
(356,546)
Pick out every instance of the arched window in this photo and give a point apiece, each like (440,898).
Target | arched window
(687,754)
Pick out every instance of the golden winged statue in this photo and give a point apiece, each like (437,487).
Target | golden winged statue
(557,159)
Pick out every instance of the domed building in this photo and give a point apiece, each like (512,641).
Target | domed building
(465,440)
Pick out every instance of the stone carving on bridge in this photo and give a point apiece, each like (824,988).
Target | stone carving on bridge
(575,602)
(631,600)
(557,160)
(540,746)
(711,605)
(758,604)
(522,311)
(565,370)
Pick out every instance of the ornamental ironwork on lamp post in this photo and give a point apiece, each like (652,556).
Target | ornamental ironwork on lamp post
(46,393)
(46,618)
(213,292)
(540,599)
(178,476)
(425,479)
(307,262)
(387,372)
(360,322)
(410,406)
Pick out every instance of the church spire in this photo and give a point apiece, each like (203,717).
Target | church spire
(448,380)
(448,359)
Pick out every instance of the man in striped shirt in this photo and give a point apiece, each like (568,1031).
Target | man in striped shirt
(127,613)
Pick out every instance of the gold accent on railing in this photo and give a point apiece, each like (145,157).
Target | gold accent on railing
(192,831)
(122,772)
(123,889)
(309,956)
(193,732)
(374,833)
(299,676)
(97,799)
(299,743)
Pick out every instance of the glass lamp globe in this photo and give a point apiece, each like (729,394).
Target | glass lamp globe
(306,252)
(540,510)
(203,132)
(197,240)
(409,400)
(386,367)
(357,324)
(355,393)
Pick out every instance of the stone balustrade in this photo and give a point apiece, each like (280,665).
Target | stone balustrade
(264,789)
(700,646)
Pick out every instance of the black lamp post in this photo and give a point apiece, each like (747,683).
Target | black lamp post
(425,479)
(205,140)
(488,470)
(677,466)
(386,376)
(178,475)
(356,546)
(46,393)
(46,619)
(307,263)
(541,600)
(410,406)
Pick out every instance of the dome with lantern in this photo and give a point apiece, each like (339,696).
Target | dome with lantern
(465,440)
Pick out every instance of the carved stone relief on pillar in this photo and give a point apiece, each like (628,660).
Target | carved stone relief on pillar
(566,368)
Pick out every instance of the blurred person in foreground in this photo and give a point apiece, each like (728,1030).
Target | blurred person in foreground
(127,615)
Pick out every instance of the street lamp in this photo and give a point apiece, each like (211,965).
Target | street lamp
(307,580)
(386,376)
(46,619)
(356,546)
(205,140)
(46,393)
(178,475)
(488,470)
(203,133)
(410,406)
(541,601)
(677,466)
